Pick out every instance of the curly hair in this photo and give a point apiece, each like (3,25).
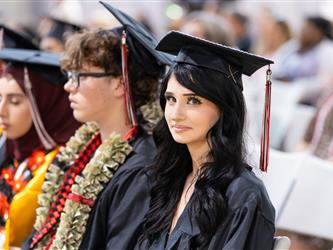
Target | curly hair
(102,48)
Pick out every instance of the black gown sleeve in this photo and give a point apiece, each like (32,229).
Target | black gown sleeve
(247,228)
(250,221)
(124,225)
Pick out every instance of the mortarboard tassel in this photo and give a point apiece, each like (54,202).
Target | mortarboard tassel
(2,45)
(43,135)
(2,39)
(132,119)
(264,147)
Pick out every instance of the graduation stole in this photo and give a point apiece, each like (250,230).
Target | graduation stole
(68,224)
(14,177)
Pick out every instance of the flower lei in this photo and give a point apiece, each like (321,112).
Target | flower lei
(100,169)
(151,113)
(55,174)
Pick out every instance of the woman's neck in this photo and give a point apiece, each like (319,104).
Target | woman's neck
(199,153)
(21,148)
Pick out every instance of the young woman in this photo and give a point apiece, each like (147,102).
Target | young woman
(205,195)
(102,193)
(35,117)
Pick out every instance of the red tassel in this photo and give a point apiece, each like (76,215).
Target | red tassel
(130,134)
(264,147)
(2,45)
(2,39)
(129,109)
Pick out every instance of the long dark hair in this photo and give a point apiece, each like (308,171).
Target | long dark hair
(173,162)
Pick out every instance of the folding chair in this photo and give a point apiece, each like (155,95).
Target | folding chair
(281,243)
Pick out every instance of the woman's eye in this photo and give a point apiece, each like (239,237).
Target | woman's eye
(15,101)
(193,100)
(170,99)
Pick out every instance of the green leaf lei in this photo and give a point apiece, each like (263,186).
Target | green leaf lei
(100,169)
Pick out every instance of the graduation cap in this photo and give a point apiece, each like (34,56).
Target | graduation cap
(224,59)
(140,40)
(58,28)
(12,39)
(203,53)
(141,44)
(47,65)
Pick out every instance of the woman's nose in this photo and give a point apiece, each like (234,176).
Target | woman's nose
(177,112)
(3,109)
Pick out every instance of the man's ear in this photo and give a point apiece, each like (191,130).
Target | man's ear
(118,87)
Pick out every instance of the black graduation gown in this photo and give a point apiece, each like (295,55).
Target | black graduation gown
(249,223)
(115,220)
(118,212)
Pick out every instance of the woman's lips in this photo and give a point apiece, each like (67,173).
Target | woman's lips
(180,128)
(4,126)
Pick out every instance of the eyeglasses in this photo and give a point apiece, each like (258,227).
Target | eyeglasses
(75,76)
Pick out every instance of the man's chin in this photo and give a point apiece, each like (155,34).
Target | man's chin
(79,116)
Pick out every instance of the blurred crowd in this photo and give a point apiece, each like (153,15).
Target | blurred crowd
(302,92)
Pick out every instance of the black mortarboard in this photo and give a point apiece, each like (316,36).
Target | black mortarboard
(59,29)
(229,61)
(141,46)
(203,53)
(13,39)
(47,64)
(140,40)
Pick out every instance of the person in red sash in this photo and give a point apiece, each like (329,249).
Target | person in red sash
(98,191)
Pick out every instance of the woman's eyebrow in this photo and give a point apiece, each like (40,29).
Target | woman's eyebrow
(168,93)
(189,94)
(15,95)
(184,94)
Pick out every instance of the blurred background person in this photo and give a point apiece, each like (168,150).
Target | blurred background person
(209,26)
(239,23)
(10,38)
(279,40)
(53,33)
(318,139)
(310,55)
(309,64)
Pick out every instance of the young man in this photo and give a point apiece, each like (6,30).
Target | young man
(97,192)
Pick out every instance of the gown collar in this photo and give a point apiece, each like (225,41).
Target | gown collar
(185,225)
